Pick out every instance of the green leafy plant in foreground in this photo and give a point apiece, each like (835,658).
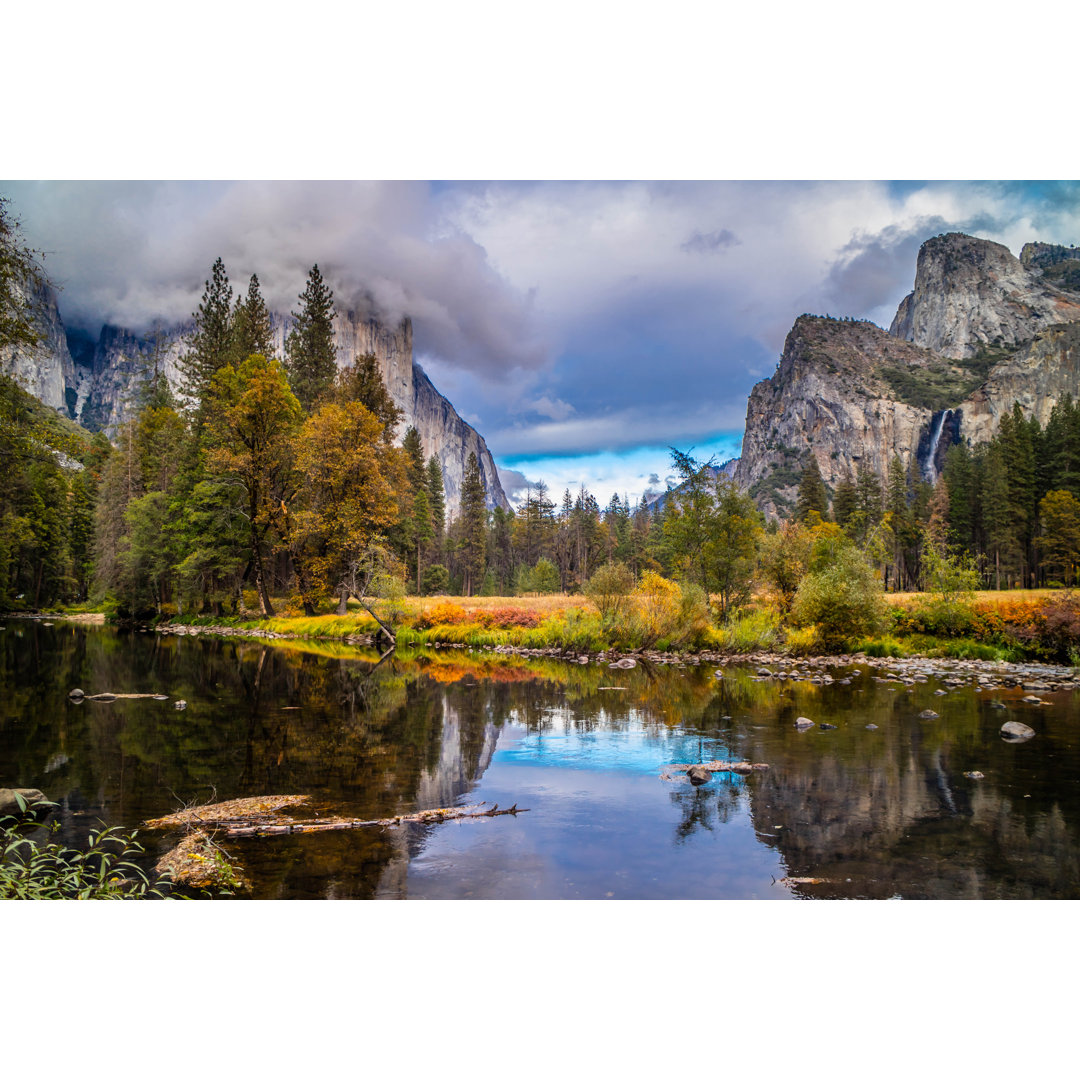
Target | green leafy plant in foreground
(33,870)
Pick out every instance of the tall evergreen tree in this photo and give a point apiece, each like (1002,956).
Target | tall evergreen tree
(474,525)
(209,348)
(362,381)
(813,495)
(252,333)
(310,356)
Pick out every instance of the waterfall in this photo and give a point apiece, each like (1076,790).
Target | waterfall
(929,461)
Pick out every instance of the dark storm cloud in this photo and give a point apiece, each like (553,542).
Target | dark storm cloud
(705,243)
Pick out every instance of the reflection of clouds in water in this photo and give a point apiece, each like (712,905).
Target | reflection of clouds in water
(634,751)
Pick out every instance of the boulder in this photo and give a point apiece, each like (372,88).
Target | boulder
(1013,729)
(76,693)
(827,727)
(9,804)
(928,714)
(698,774)
(975,775)
(804,724)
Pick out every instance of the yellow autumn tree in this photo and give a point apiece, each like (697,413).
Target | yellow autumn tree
(349,479)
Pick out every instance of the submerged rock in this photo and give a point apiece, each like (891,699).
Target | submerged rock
(827,727)
(1013,729)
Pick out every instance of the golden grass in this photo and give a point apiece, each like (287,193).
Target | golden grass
(989,596)
(552,604)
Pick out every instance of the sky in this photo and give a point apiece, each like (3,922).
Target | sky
(582,327)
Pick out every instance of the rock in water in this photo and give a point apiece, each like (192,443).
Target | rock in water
(1014,730)
(698,774)
(871,727)
(9,804)
(76,693)
(181,704)
(928,714)
(975,775)
(827,727)
(803,723)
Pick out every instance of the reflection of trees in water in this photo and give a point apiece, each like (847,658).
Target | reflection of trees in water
(704,807)
(889,809)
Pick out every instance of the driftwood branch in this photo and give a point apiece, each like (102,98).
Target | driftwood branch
(424,817)
(260,817)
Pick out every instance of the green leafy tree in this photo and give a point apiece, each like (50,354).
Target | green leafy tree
(713,530)
(253,419)
(1060,539)
(840,595)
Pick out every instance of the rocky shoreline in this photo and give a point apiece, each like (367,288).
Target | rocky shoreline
(984,674)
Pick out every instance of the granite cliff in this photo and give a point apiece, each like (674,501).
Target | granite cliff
(980,331)
(94,380)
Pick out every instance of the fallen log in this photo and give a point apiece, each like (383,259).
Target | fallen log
(260,808)
(423,817)
(742,767)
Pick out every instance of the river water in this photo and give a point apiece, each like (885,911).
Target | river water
(841,813)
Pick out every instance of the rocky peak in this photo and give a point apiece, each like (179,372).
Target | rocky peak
(971,294)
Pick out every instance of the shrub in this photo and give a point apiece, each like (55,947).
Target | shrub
(841,595)
(505,618)
(656,604)
(752,631)
(444,613)
(609,590)
(435,580)
(802,641)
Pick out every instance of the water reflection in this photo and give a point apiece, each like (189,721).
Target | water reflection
(864,813)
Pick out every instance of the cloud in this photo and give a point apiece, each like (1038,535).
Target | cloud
(653,480)
(708,243)
(514,483)
(129,253)
(564,317)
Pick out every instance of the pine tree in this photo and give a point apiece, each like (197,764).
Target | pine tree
(362,381)
(845,502)
(310,356)
(474,524)
(421,528)
(252,334)
(813,495)
(210,346)
(436,497)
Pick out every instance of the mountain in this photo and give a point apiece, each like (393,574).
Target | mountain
(980,330)
(94,380)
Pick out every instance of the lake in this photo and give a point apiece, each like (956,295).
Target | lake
(842,813)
